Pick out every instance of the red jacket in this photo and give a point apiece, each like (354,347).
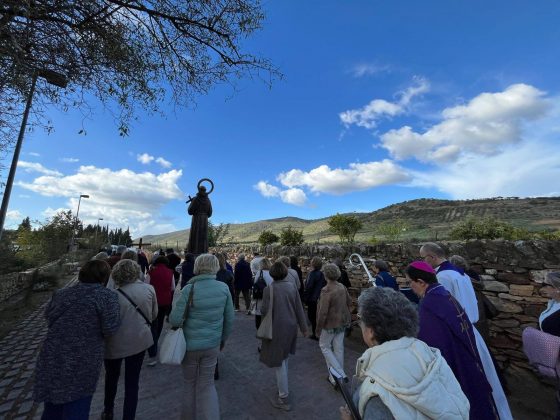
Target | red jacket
(161,278)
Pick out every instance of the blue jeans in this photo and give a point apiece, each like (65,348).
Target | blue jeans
(73,410)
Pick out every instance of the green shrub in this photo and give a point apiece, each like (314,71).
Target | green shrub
(267,237)
(291,237)
(345,227)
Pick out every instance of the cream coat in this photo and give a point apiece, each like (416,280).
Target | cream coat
(134,334)
(413,380)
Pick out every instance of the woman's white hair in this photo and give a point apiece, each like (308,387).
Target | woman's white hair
(125,271)
(206,264)
(331,272)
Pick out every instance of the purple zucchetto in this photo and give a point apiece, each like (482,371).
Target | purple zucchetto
(423,266)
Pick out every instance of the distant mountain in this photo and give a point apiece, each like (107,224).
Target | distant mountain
(427,219)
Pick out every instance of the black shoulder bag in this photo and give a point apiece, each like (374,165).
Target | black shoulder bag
(136,307)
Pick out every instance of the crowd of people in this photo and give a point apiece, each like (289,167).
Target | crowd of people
(422,337)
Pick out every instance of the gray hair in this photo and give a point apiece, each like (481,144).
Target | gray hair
(130,254)
(316,262)
(331,271)
(459,261)
(433,248)
(101,256)
(381,265)
(241,257)
(389,313)
(265,264)
(125,271)
(206,264)
(121,249)
(284,260)
(554,279)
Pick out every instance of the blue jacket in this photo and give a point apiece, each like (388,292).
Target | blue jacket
(210,317)
(384,279)
(315,282)
(243,275)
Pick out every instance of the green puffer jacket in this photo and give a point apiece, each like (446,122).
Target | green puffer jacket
(210,318)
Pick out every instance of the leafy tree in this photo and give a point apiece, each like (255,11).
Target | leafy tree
(217,234)
(291,237)
(345,227)
(126,53)
(393,230)
(25,224)
(267,237)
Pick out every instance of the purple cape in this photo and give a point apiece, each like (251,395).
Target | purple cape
(446,265)
(445,326)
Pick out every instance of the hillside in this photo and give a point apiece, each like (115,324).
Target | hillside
(427,218)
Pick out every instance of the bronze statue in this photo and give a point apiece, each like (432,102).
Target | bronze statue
(200,208)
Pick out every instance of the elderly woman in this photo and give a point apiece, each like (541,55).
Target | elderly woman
(333,317)
(445,325)
(264,272)
(79,319)
(138,308)
(549,320)
(287,315)
(382,276)
(401,377)
(313,285)
(205,311)
(161,278)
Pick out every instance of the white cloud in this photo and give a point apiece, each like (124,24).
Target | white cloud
(37,167)
(293,196)
(164,163)
(70,160)
(522,170)
(123,197)
(14,215)
(34,154)
(144,158)
(369,69)
(359,176)
(483,126)
(266,189)
(370,114)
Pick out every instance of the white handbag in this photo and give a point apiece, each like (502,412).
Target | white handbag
(174,346)
(265,329)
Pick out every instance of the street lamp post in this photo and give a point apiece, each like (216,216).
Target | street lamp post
(97,228)
(52,78)
(76,220)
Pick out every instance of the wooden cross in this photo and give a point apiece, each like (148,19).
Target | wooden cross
(140,244)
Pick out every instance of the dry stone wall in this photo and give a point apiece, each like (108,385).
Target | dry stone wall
(512,273)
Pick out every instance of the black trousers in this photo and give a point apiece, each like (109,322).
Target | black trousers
(246,298)
(312,314)
(258,319)
(157,326)
(132,366)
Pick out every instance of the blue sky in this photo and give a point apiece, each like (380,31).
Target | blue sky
(380,102)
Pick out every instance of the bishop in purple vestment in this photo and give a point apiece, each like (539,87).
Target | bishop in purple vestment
(445,326)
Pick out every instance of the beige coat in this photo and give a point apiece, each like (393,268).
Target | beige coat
(134,335)
(333,310)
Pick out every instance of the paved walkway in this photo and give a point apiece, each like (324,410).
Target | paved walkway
(244,388)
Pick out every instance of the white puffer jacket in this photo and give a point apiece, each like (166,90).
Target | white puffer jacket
(413,380)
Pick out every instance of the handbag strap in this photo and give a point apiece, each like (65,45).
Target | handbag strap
(135,307)
(189,302)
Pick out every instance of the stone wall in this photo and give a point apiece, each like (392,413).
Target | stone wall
(14,283)
(512,273)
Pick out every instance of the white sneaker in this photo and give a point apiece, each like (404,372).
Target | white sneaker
(152,361)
